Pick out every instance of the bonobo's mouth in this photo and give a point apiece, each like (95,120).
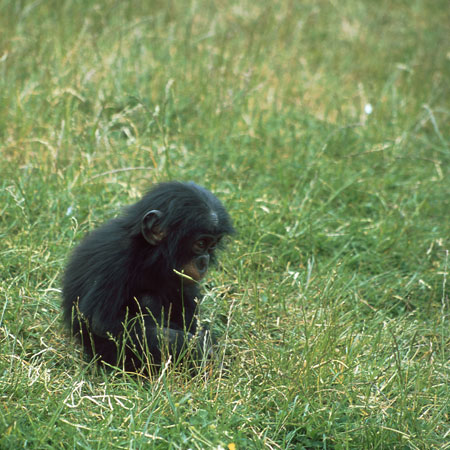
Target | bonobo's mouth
(191,273)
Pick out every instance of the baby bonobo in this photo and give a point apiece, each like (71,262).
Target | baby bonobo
(130,289)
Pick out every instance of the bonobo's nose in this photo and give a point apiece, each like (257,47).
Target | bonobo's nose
(202,263)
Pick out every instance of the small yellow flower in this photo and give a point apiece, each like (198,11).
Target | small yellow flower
(232,446)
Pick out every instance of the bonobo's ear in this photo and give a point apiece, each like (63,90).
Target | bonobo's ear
(151,228)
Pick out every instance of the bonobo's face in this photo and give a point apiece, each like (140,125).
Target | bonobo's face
(185,227)
(202,250)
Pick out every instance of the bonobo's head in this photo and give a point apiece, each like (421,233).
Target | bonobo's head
(187,223)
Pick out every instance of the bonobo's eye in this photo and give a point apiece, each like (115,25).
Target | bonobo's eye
(215,243)
(205,244)
(200,246)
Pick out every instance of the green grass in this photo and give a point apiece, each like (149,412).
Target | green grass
(332,301)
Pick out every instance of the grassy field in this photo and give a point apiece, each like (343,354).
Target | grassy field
(324,128)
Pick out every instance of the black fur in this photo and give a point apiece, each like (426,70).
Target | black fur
(121,296)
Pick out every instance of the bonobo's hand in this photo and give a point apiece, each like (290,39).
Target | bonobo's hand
(199,346)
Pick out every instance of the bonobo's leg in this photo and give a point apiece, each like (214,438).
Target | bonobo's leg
(163,340)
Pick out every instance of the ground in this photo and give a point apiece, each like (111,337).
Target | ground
(323,126)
